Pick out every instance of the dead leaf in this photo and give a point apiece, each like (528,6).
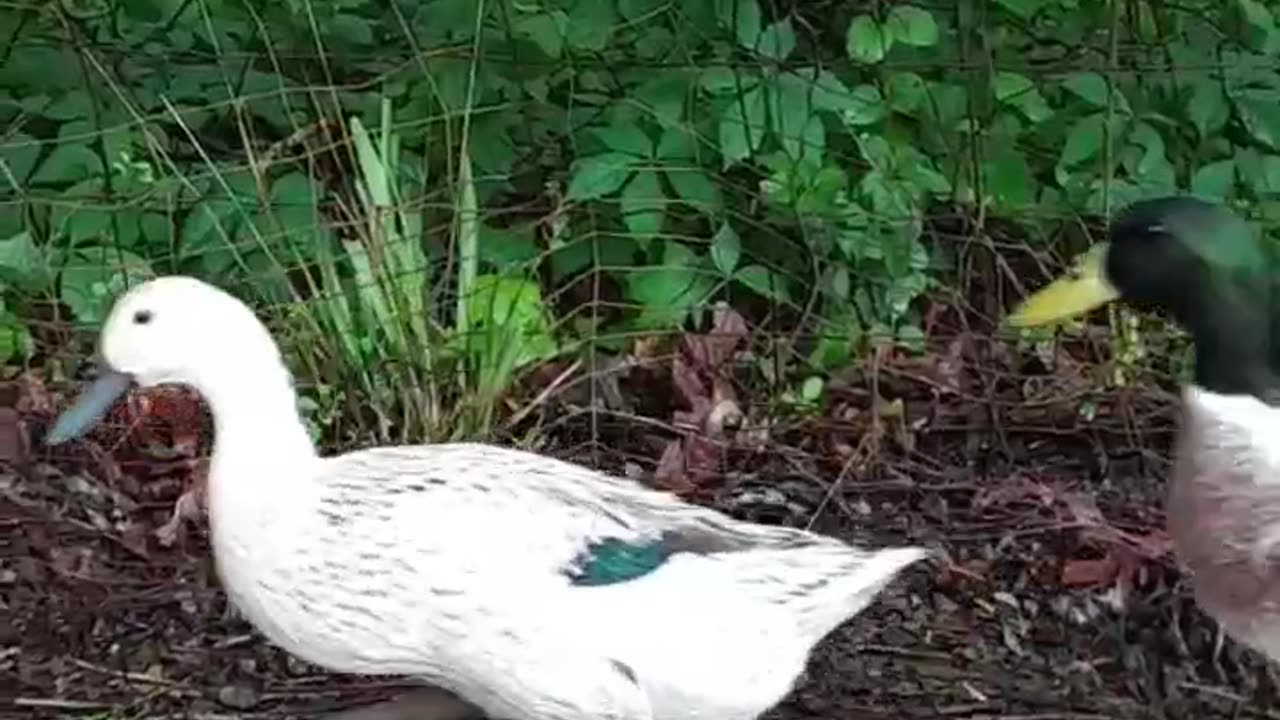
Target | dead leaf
(134,537)
(728,330)
(190,506)
(33,397)
(1089,573)
(670,475)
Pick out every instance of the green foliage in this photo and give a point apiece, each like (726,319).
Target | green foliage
(687,151)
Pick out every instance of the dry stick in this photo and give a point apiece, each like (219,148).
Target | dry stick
(546,393)
(59,704)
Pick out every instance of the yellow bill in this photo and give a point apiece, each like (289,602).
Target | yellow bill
(1084,289)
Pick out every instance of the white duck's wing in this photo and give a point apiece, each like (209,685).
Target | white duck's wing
(479,555)
(534,515)
(453,562)
(537,589)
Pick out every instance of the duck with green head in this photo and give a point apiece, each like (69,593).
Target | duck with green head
(1203,265)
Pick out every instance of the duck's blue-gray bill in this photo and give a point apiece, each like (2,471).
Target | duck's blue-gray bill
(90,406)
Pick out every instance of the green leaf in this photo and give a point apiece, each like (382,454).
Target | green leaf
(508,248)
(1019,92)
(592,25)
(743,16)
(19,154)
(778,40)
(1024,9)
(664,95)
(69,162)
(15,338)
(764,283)
(813,142)
(1207,108)
(1008,178)
(669,291)
(95,276)
(1093,88)
(298,189)
(726,249)
(1260,172)
(626,138)
(1214,180)
(23,265)
(513,324)
(87,223)
(207,232)
(866,41)
(828,92)
(742,126)
(1257,15)
(811,389)
(599,175)
(1258,113)
(678,143)
(644,204)
(546,30)
(911,25)
(718,79)
(1009,85)
(632,10)
(351,28)
(790,111)
(695,187)
(866,107)
(906,92)
(155,232)
(1084,140)
(74,105)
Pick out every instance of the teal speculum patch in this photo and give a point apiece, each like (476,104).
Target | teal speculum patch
(611,561)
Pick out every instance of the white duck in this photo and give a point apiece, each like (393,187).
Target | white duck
(532,588)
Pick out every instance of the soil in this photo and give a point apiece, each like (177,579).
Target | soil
(1055,597)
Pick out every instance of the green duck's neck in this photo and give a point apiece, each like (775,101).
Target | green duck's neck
(1231,328)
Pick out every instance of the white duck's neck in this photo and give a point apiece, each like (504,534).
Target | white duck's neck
(261,448)
(263,461)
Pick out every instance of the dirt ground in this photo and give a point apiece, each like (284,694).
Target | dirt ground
(1056,599)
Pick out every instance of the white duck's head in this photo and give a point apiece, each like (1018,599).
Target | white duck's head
(172,329)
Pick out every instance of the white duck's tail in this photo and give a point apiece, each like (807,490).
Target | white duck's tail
(823,585)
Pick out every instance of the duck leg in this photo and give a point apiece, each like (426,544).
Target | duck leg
(422,704)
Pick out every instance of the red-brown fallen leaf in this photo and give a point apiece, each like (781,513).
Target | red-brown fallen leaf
(167,417)
(689,385)
(1152,545)
(1089,572)
(670,474)
(33,397)
(189,507)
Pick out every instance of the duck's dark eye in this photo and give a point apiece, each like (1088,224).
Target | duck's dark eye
(142,317)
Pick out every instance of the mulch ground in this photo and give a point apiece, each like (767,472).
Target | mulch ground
(1057,598)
